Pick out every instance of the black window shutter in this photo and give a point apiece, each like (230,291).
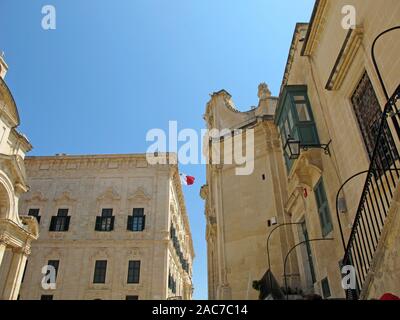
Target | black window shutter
(143,222)
(67,219)
(112,223)
(52,224)
(130,223)
(97,225)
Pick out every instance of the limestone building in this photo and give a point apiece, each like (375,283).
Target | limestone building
(331,94)
(239,208)
(16,232)
(339,129)
(111,227)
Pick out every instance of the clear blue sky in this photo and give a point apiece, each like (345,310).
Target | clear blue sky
(112,70)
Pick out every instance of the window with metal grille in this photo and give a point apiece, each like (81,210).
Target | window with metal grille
(134,271)
(34,213)
(323,208)
(105,222)
(136,221)
(369,113)
(132,298)
(46,297)
(100,270)
(61,221)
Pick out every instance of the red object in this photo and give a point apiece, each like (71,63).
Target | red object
(305,193)
(389,296)
(188,180)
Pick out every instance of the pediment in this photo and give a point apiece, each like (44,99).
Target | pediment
(65,197)
(140,195)
(109,194)
(37,196)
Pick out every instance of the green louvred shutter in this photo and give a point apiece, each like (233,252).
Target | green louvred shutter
(323,208)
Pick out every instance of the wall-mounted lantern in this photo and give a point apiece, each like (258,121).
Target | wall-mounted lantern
(293,147)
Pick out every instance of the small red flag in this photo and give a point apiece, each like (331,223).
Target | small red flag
(187,180)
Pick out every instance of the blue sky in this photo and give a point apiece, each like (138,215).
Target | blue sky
(112,70)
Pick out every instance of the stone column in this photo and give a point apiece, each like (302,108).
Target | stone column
(15,273)
(224,290)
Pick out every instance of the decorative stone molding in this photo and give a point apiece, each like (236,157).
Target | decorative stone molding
(300,28)
(345,58)
(140,195)
(64,197)
(217,167)
(109,194)
(212,220)
(263,91)
(204,192)
(63,163)
(9,108)
(306,170)
(32,225)
(15,170)
(316,27)
(20,188)
(5,239)
(26,250)
(37,196)
(136,252)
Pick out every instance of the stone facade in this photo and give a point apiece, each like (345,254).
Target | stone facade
(16,232)
(330,61)
(85,185)
(238,207)
(325,67)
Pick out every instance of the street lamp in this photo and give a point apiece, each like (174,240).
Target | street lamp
(269,236)
(287,256)
(293,147)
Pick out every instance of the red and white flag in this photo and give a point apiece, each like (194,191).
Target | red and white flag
(187,180)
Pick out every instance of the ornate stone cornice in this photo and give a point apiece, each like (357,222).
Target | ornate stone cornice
(8,106)
(26,250)
(15,164)
(316,27)
(60,164)
(5,239)
(345,58)
(204,192)
(300,28)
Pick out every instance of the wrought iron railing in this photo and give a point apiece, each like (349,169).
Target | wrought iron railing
(382,180)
